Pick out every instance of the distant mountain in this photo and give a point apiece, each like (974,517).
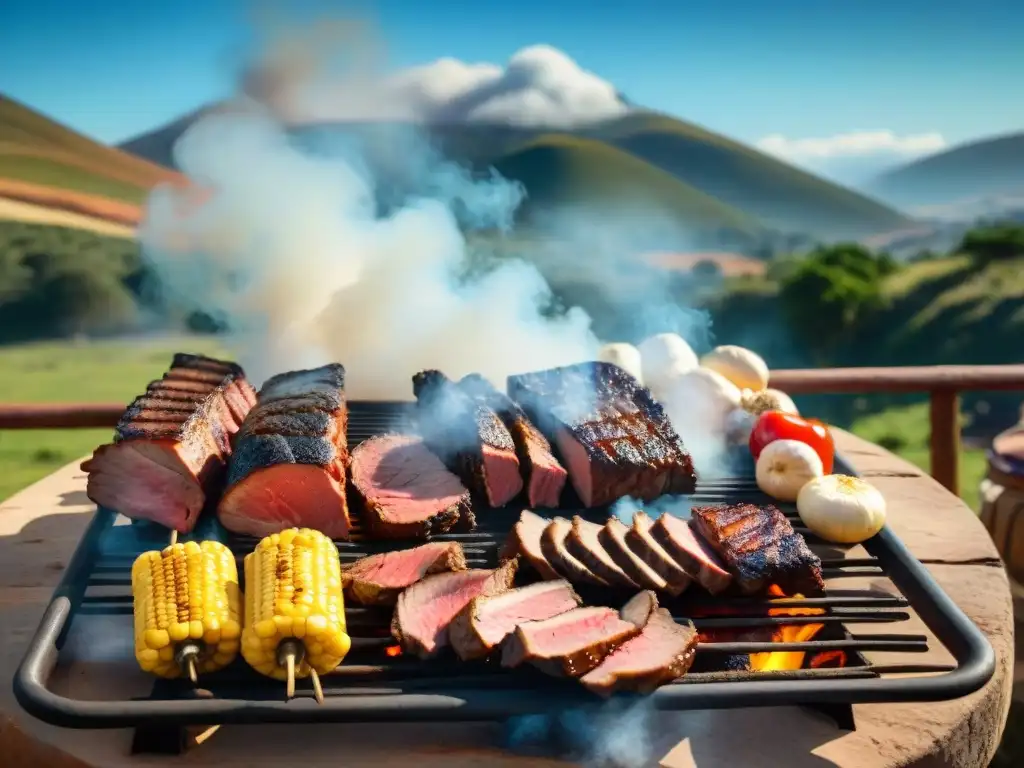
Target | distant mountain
(720,183)
(46,166)
(977,170)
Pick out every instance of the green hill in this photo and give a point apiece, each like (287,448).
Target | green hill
(563,172)
(979,169)
(37,150)
(770,190)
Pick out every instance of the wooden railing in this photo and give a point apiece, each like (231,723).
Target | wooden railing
(943,383)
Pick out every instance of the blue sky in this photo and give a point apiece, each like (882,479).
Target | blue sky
(746,68)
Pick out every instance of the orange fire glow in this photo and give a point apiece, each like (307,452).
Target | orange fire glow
(778,661)
(829,659)
(393,651)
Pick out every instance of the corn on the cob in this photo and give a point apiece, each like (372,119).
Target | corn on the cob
(188,609)
(294,609)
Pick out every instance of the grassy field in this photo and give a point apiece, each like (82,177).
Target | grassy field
(104,372)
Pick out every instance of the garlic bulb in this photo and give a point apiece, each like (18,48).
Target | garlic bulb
(625,356)
(841,509)
(767,400)
(785,466)
(745,369)
(665,357)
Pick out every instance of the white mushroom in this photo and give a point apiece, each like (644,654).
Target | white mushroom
(841,508)
(745,369)
(665,357)
(625,356)
(699,401)
(786,466)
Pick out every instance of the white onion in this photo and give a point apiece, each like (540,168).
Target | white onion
(841,509)
(745,369)
(665,357)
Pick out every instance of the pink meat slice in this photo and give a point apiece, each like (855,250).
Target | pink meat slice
(525,540)
(378,579)
(694,555)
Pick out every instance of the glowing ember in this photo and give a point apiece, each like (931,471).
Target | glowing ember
(834,659)
(393,651)
(778,661)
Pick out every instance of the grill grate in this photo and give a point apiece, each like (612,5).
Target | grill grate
(371,686)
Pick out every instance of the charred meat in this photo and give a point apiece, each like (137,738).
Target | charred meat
(379,579)
(612,435)
(172,444)
(760,548)
(288,467)
(468,436)
(542,473)
(406,492)
(483,624)
(426,609)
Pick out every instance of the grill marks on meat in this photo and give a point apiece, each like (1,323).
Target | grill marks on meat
(569,644)
(288,468)
(469,437)
(426,609)
(694,555)
(405,490)
(379,579)
(613,437)
(661,653)
(172,443)
(760,547)
(486,621)
(553,546)
(643,544)
(584,542)
(543,475)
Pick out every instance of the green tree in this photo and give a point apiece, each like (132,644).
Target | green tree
(996,242)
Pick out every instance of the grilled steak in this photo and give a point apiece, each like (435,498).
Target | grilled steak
(693,554)
(553,547)
(525,540)
(405,490)
(661,653)
(612,435)
(613,538)
(583,542)
(288,467)
(426,609)
(171,446)
(543,475)
(379,579)
(482,625)
(568,644)
(469,437)
(760,548)
(643,544)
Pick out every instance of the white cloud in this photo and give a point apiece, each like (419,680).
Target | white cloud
(538,86)
(854,144)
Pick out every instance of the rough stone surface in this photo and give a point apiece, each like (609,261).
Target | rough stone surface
(40,527)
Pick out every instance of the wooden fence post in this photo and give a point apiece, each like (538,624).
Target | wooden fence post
(945,438)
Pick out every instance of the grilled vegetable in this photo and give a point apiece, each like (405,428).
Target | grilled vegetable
(842,509)
(784,467)
(188,609)
(776,425)
(294,609)
(745,369)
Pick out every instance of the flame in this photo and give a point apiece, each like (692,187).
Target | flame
(393,651)
(778,661)
(829,659)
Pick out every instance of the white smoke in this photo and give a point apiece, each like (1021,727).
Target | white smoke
(290,250)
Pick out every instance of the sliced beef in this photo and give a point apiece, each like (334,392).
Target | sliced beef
(584,542)
(426,609)
(692,553)
(643,544)
(288,466)
(612,435)
(170,446)
(661,653)
(405,491)
(469,437)
(639,608)
(613,538)
(525,540)
(760,548)
(553,547)
(486,621)
(543,475)
(569,644)
(379,579)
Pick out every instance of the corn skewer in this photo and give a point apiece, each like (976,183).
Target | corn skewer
(294,609)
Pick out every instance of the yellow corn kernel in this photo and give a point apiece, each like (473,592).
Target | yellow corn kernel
(188,593)
(293,592)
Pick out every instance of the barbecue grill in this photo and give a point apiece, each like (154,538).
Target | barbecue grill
(374,684)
